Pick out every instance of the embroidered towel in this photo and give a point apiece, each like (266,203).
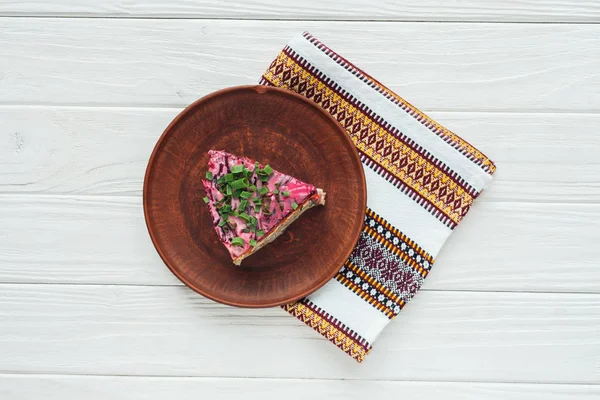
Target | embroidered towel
(421,181)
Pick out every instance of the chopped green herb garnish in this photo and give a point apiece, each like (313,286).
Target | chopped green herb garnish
(256,208)
(236,213)
(222,222)
(236,169)
(209,175)
(294,205)
(206,200)
(240,184)
(252,188)
(228,177)
(260,233)
(275,191)
(264,178)
(243,205)
(228,190)
(285,193)
(236,194)
(263,190)
(221,179)
(252,242)
(277,185)
(238,241)
(246,230)
(244,216)
(268,170)
(257,200)
(245,195)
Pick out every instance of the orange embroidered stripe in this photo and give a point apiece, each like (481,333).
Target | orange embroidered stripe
(364,295)
(402,162)
(457,141)
(402,236)
(463,145)
(405,169)
(396,251)
(377,285)
(336,336)
(290,62)
(328,94)
(414,161)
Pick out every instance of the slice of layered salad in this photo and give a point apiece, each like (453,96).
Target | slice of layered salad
(252,204)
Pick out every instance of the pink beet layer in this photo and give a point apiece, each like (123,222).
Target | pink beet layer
(220,163)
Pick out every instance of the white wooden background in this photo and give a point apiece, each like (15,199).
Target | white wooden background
(87,309)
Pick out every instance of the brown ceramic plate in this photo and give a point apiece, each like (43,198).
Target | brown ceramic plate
(275,127)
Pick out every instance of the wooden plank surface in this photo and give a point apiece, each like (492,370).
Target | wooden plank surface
(70,387)
(90,151)
(72,150)
(387,10)
(171,331)
(88,310)
(440,67)
(103,239)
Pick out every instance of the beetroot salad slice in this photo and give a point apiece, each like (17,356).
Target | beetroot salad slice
(251,204)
